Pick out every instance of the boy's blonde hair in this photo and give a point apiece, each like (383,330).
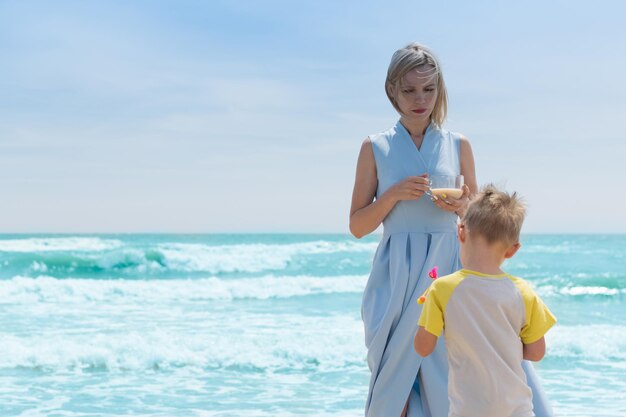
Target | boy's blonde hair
(496,215)
(407,59)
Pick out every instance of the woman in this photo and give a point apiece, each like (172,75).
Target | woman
(419,234)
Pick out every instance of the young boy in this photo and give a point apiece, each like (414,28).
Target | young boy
(492,320)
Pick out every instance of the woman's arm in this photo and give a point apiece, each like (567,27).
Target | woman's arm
(468,169)
(365,213)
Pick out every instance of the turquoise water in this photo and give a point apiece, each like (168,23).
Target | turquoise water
(259,325)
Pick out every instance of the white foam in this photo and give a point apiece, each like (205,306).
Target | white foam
(591,291)
(563,248)
(45,289)
(243,343)
(599,274)
(604,342)
(578,291)
(286,412)
(131,259)
(250,257)
(570,248)
(87,244)
(38,267)
(248,342)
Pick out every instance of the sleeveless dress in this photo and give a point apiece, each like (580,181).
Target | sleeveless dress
(417,237)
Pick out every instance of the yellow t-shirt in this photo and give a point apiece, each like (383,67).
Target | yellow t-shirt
(486,319)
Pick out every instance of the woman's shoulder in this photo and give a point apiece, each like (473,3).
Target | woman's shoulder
(461,141)
(453,134)
(385,134)
(381,141)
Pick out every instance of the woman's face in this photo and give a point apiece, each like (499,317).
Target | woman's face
(417,93)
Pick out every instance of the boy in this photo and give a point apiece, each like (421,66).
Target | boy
(492,320)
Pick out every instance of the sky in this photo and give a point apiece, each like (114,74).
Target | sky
(247,116)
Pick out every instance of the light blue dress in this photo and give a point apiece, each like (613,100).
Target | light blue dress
(417,236)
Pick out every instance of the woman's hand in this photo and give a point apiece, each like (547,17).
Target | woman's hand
(410,188)
(454,205)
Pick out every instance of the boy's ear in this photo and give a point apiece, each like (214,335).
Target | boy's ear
(512,250)
(461,232)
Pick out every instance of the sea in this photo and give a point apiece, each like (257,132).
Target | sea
(260,324)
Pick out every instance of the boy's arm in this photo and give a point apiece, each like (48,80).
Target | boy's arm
(424,342)
(535,351)
(431,321)
(539,319)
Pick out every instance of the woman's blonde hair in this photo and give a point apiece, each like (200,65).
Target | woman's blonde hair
(407,59)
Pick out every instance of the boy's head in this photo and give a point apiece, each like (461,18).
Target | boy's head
(496,217)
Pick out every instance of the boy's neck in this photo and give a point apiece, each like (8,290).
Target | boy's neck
(483,261)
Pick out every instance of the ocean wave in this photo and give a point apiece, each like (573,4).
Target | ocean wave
(58,244)
(591,291)
(123,262)
(45,289)
(579,291)
(289,342)
(598,274)
(250,257)
(263,343)
(600,342)
(97,257)
(574,248)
